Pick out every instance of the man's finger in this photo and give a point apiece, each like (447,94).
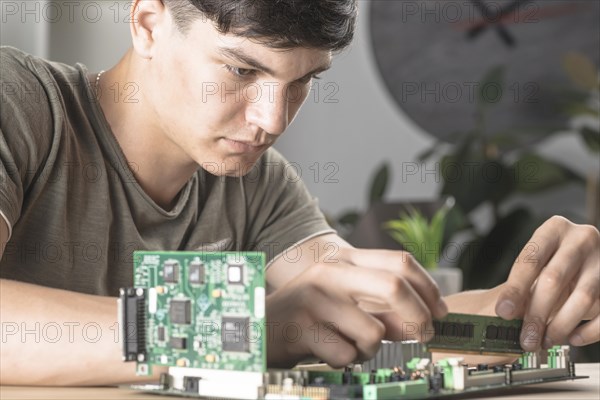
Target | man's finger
(390,292)
(340,321)
(587,333)
(583,303)
(532,259)
(563,326)
(403,264)
(552,282)
(337,354)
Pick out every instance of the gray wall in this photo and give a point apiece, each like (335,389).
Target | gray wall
(97,36)
(95,33)
(357,132)
(23,26)
(348,126)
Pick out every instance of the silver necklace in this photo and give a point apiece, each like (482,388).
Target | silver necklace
(127,164)
(98,80)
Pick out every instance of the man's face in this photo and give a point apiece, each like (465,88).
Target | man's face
(223,100)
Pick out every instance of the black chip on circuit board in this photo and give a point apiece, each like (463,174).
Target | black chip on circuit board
(179,343)
(196,273)
(171,271)
(180,312)
(234,334)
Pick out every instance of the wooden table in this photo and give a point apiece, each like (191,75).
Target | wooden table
(578,389)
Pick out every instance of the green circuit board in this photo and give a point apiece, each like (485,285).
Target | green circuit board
(202,314)
(476,334)
(196,310)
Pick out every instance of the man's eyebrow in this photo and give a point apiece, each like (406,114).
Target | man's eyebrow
(317,70)
(247,59)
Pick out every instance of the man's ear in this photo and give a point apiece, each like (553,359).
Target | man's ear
(145,16)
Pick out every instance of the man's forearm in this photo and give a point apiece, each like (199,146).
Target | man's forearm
(56,337)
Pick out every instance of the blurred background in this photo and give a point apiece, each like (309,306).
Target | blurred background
(450,128)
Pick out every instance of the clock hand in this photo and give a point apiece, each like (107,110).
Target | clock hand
(506,37)
(503,12)
(500,28)
(495,18)
(486,19)
(513,7)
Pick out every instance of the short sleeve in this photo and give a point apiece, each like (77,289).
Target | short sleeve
(283,212)
(26,127)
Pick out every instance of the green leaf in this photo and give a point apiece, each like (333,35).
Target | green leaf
(456,221)
(418,236)
(506,139)
(518,137)
(567,95)
(533,174)
(437,226)
(492,85)
(591,138)
(379,184)
(581,70)
(400,237)
(423,156)
(475,180)
(350,218)
(457,136)
(487,261)
(577,109)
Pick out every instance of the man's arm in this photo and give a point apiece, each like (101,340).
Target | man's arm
(55,337)
(343,301)
(553,286)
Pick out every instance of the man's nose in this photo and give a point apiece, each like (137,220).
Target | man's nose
(268,109)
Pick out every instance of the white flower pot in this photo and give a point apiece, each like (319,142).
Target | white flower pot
(449,279)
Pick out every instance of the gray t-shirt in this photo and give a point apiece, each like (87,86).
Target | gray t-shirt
(76,212)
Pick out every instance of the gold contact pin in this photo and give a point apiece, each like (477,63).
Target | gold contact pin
(210,358)
(434,349)
(182,362)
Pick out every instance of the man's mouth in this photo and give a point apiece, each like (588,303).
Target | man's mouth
(240,146)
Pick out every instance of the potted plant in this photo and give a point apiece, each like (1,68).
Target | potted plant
(424,239)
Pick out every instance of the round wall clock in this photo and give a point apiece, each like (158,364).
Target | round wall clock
(433,54)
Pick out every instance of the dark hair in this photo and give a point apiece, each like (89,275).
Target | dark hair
(321,24)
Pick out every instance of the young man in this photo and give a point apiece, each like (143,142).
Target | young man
(180,160)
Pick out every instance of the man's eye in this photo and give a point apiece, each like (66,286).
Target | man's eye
(240,72)
(308,79)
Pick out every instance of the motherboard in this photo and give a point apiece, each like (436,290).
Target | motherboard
(202,315)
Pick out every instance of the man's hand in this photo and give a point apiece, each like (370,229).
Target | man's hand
(339,311)
(554,285)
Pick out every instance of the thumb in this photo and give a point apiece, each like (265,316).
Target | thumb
(511,302)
